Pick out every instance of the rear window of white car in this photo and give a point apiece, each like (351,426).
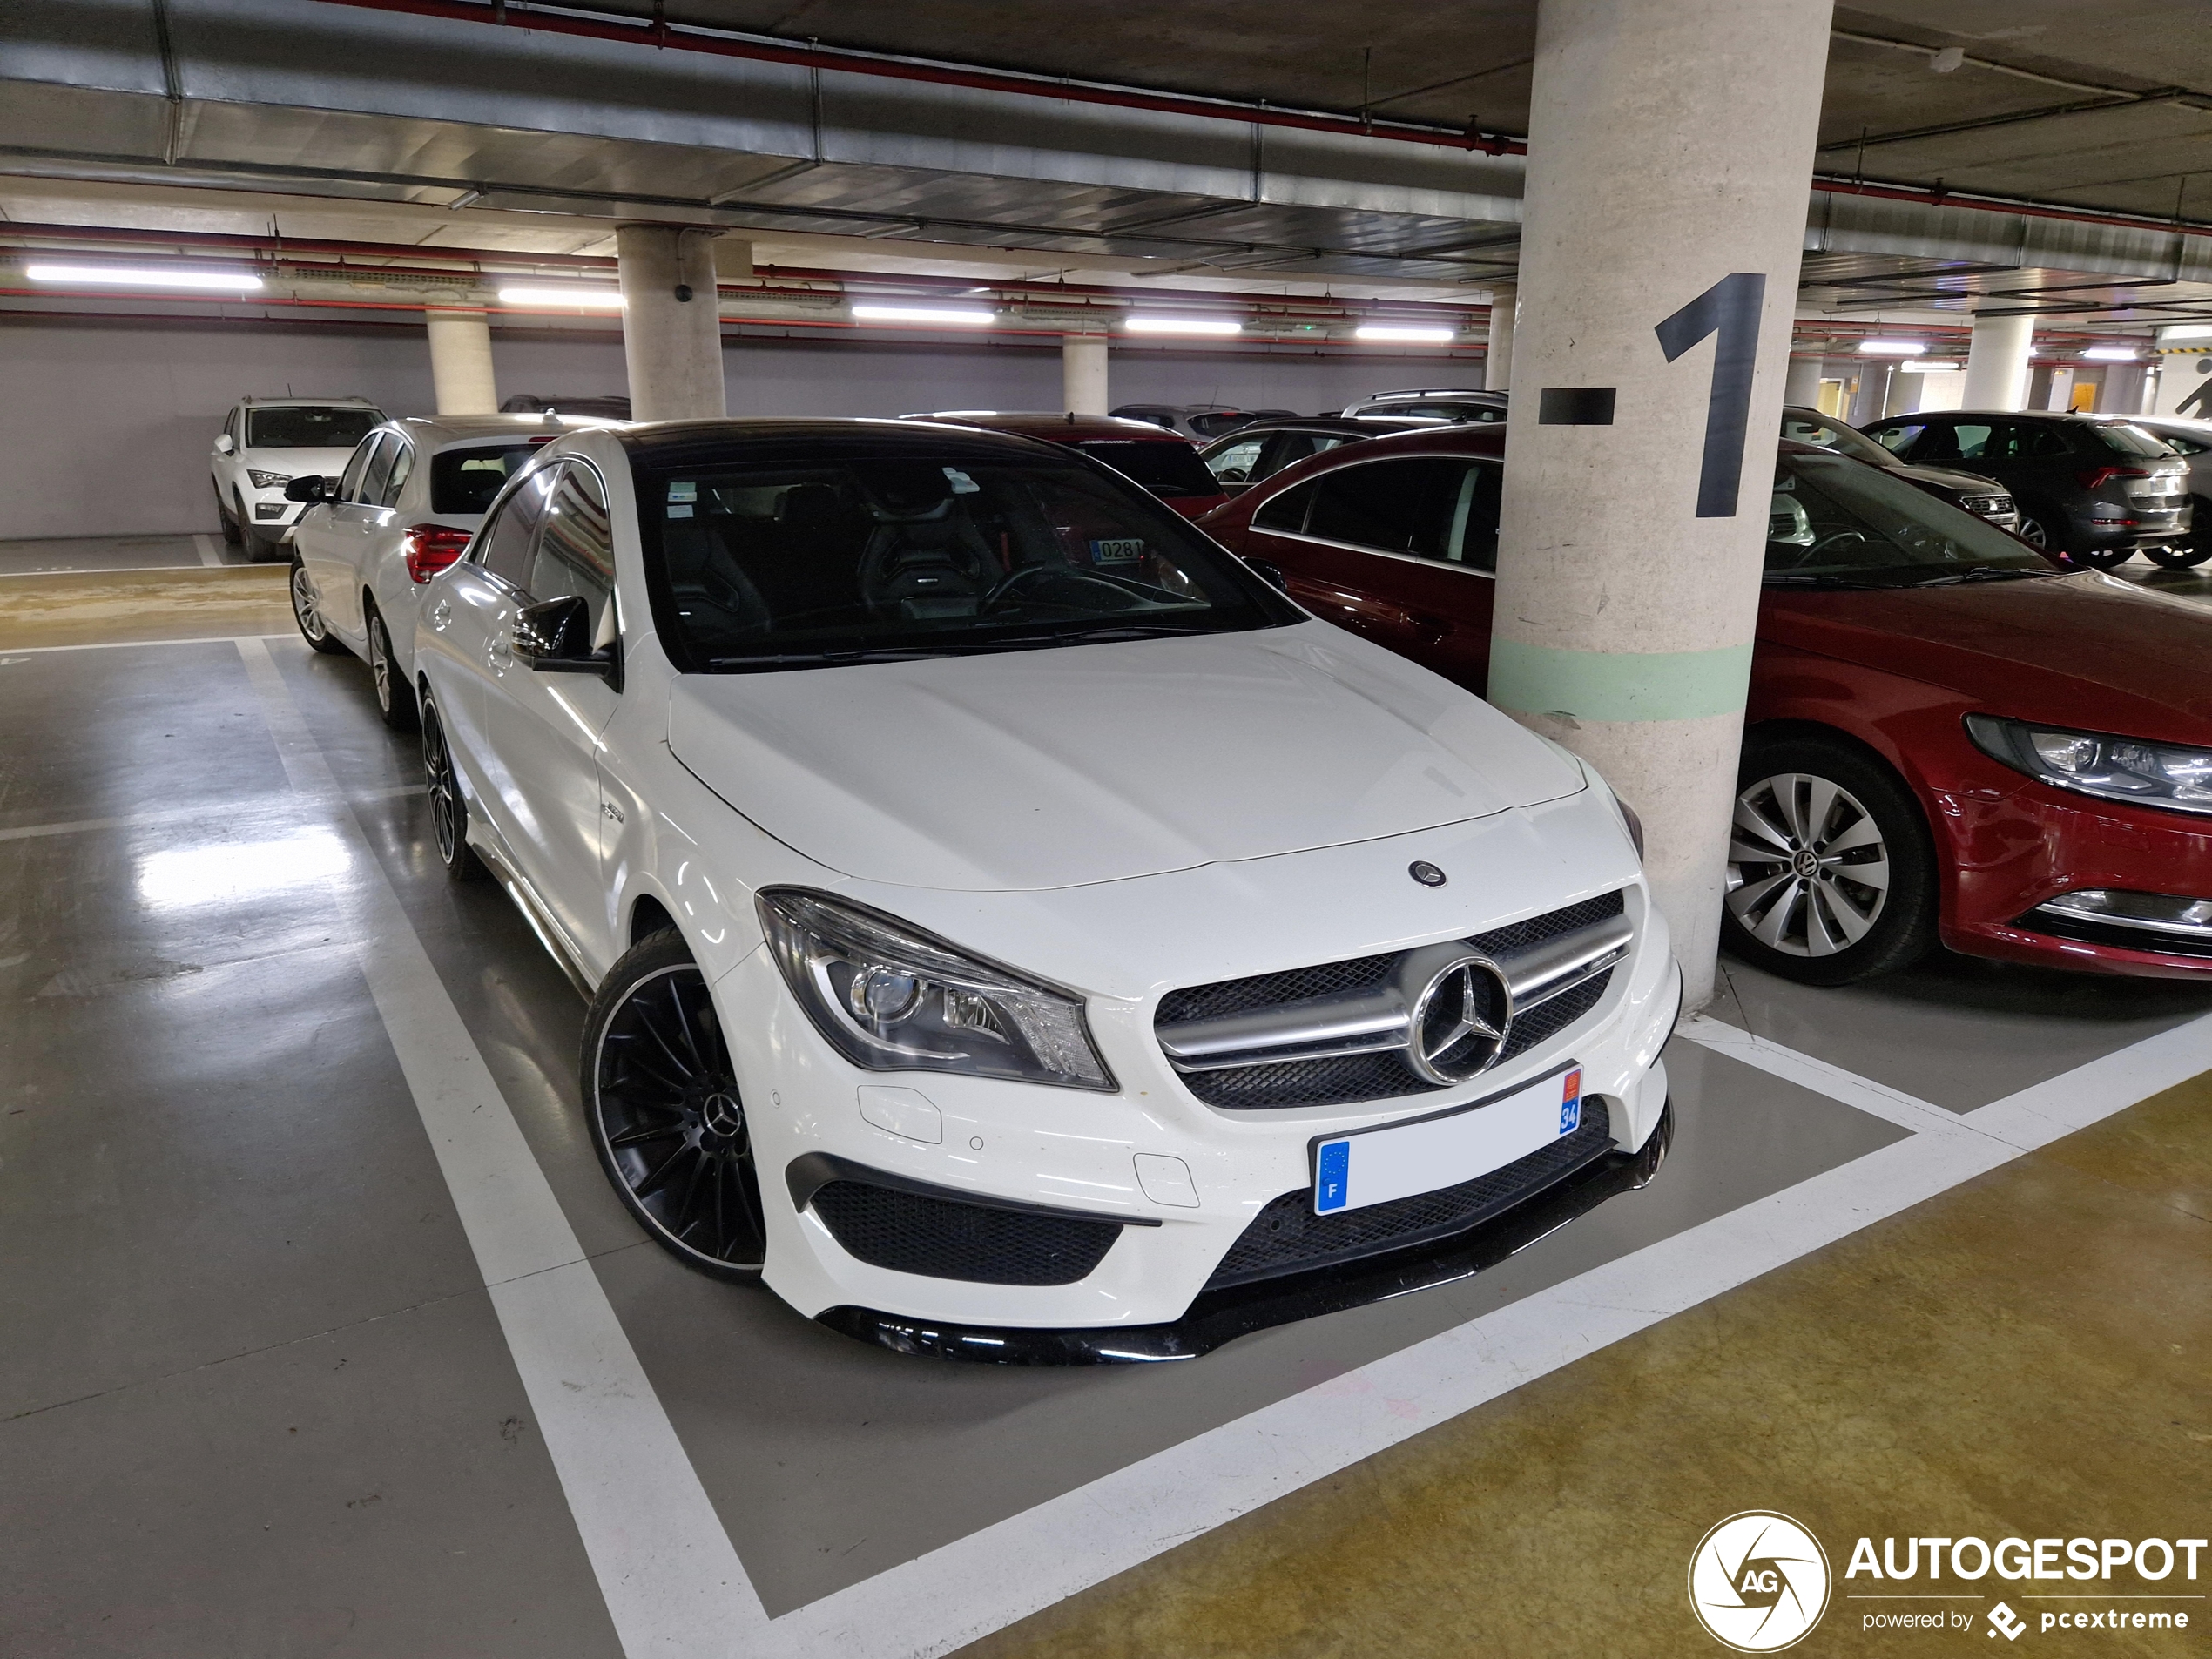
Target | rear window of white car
(303,428)
(465,480)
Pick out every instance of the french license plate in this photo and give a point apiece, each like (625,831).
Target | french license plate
(1122,549)
(1375,1165)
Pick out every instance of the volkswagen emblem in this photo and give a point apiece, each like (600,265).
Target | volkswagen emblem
(1425,873)
(1459,1011)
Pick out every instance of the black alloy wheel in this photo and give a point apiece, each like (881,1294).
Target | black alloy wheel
(2042,530)
(666,1116)
(2186,557)
(306,611)
(448,808)
(1831,867)
(232,532)
(394,697)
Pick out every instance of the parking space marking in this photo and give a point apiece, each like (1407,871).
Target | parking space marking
(229,809)
(207,553)
(651,1533)
(671,1581)
(136,645)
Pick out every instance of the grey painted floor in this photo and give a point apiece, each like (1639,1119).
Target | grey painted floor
(253,1397)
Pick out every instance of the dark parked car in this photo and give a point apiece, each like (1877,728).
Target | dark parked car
(1261,450)
(2192,440)
(1162,461)
(2092,489)
(1199,421)
(609,406)
(1970,490)
(1454,403)
(1947,738)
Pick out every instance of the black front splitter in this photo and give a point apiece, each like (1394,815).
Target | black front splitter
(1222,1316)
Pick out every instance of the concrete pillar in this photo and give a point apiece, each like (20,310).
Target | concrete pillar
(1670,145)
(461,362)
(1801,387)
(1997,362)
(671,323)
(1082,374)
(1497,363)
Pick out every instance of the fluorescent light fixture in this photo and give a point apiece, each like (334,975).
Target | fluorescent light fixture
(2188,330)
(1412,336)
(1932,365)
(948,316)
(1182,326)
(2111,353)
(144,277)
(1893,348)
(591,299)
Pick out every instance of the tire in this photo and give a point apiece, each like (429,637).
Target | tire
(666,1116)
(2101,558)
(2045,531)
(306,612)
(1831,870)
(258,549)
(232,534)
(448,805)
(2179,558)
(394,697)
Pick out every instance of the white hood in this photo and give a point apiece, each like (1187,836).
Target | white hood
(300,463)
(1056,768)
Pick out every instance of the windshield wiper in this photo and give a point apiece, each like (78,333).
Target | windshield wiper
(1980,573)
(1816,579)
(832,658)
(1104,633)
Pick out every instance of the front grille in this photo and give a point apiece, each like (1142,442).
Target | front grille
(1287,1236)
(1371,1076)
(909,1232)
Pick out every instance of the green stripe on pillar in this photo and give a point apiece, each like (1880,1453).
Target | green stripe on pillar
(1618,685)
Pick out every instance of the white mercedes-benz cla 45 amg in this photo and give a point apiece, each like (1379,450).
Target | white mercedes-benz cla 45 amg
(1015,929)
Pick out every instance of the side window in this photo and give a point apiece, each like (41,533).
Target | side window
(2040,441)
(1287,511)
(402,464)
(1234,465)
(1897,439)
(576,552)
(1974,441)
(379,468)
(505,546)
(1392,506)
(236,425)
(2183,446)
(350,487)
(1473,538)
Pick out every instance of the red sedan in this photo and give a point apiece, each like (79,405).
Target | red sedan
(1155,459)
(1947,738)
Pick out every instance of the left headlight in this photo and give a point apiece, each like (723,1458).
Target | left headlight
(892,998)
(266,480)
(2095,763)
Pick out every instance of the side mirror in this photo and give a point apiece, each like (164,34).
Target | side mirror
(1271,574)
(311,488)
(555,637)
(224,445)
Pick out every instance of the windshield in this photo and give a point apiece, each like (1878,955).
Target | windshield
(310,428)
(1164,468)
(464,481)
(1834,523)
(1807,427)
(860,559)
(2124,440)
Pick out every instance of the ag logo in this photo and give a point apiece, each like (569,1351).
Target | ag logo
(1758,1581)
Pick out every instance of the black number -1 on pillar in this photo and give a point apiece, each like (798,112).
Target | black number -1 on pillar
(1730,309)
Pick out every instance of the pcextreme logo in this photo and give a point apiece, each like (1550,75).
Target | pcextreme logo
(1758,1581)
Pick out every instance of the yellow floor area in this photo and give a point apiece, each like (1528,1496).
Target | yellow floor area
(111,606)
(2027,1355)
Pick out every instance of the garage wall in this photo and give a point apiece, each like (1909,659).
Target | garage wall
(106,424)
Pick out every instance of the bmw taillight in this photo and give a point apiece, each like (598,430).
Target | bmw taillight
(430,548)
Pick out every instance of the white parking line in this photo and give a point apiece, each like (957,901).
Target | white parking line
(673,1583)
(242,640)
(207,551)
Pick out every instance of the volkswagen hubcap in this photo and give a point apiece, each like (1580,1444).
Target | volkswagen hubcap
(1808,870)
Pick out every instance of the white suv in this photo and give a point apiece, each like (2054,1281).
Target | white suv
(267,441)
(1015,930)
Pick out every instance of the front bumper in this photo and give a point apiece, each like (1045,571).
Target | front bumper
(271,517)
(1219,1316)
(1063,1151)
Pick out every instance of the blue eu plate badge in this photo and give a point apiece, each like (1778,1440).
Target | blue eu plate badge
(1330,1180)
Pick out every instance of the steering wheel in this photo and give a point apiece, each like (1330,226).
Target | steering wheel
(1812,553)
(1004,587)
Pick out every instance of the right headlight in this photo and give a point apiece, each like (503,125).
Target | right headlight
(892,998)
(2095,763)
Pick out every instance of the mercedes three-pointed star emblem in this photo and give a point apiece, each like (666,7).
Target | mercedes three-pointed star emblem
(1459,1020)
